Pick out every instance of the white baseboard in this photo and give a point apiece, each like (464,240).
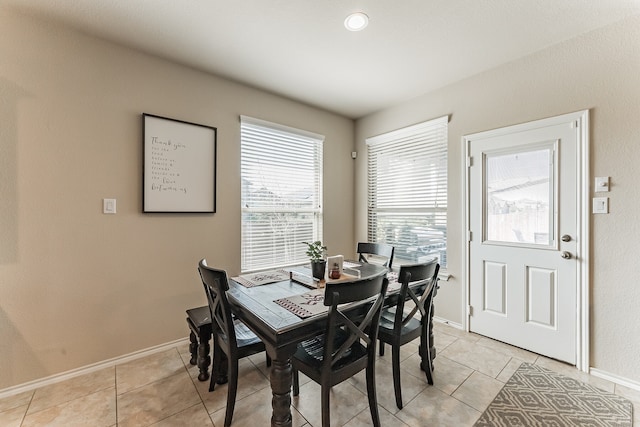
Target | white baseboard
(448,322)
(32,385)
(615,378)
(593,371)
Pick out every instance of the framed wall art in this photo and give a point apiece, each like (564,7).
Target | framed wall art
(179,170)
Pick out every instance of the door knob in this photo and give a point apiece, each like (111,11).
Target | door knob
(566,255)
(566,238)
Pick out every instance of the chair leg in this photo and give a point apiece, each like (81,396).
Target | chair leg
(371,394)
(215,368)
(426,363)
(231,391)
(425,360)
(395,361)
(428,368)
(324,400)
(381,348)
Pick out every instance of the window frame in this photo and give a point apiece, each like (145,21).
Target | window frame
(264,145)
(426,142)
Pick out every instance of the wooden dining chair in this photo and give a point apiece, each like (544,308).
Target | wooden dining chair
(379,249)
(397,328)
(232,339)
(348,344)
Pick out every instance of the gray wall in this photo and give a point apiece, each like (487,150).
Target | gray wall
(79,287)
(599,71)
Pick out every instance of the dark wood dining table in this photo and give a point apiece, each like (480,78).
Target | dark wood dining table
(281,330)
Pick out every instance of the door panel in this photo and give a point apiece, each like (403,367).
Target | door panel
(495,288)
(541,297)
(522,198)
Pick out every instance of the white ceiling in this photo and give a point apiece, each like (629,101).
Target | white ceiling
(301,50)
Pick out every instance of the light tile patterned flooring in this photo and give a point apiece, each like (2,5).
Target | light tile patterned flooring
(163,390)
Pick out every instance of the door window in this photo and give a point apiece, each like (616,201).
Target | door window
(519,196)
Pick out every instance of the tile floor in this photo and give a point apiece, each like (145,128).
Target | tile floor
(163,390)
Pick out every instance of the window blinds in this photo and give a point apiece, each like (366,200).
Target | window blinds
(407,191)
(281,170)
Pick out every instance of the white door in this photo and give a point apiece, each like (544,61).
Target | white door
(523,219)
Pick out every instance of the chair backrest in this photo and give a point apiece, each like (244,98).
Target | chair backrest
(419,276)
(358,327)
(380,249)
(216,286)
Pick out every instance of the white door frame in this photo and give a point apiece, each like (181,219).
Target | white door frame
(583,261)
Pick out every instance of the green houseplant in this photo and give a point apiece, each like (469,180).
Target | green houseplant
(315,252)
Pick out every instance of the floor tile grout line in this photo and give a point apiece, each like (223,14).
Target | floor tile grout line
(26,411)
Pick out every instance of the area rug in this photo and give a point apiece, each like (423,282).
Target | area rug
(535,396)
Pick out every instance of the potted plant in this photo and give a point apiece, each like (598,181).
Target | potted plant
(315,252)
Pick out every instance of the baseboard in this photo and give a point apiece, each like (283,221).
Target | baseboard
(615,378)
(448,322)
(31,385)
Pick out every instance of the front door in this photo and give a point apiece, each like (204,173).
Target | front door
(523,221)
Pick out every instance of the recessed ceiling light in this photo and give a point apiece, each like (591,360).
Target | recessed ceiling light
(356,21)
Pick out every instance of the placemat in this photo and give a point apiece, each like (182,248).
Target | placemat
(305,305)
(349,264)
(302,274)
(262,278)
(312,302)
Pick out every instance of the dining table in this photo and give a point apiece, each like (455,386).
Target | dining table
(281,329)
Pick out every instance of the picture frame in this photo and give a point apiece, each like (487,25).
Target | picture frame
(179,166)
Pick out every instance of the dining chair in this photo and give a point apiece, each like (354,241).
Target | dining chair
(397,328)
(232,339)
(379,249)
(348,344)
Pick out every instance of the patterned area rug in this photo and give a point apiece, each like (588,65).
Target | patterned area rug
(535,396)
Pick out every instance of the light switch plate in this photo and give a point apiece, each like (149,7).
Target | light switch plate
(109,206)
(600,205)
(602,184)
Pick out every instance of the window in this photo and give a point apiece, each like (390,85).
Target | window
(281,171)
(407,191)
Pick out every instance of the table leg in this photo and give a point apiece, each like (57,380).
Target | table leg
(281,388)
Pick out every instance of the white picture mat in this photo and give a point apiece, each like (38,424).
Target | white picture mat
(179,166)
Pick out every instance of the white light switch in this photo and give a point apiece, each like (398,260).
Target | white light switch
(600,205)
(602,184)
(109,206)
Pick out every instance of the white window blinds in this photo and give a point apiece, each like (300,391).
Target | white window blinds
(407,191)
(281,170)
